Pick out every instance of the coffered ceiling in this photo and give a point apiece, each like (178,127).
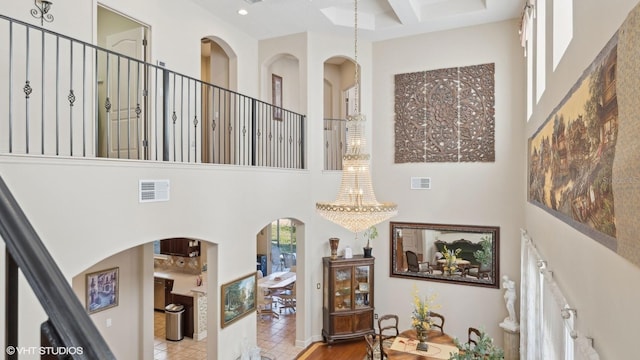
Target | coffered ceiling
(377,19)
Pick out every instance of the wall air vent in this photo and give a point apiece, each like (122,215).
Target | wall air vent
(154,190)
(420,183)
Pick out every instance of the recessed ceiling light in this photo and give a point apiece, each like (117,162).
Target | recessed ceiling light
(243,12)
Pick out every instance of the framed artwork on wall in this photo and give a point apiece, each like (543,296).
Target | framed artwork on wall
(239,299)
(102,290)
(276,94)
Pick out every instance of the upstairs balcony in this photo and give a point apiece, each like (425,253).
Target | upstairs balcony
(66,98)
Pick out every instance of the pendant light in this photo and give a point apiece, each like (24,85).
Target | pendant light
(356,207)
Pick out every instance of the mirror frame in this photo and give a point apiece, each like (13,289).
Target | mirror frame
(473,230)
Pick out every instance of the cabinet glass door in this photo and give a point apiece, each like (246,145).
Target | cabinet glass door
(362,278)
(342,286)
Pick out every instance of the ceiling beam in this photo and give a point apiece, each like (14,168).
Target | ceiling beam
(405,11)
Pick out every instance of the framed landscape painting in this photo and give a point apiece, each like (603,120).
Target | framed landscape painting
(239,299)
(102,290)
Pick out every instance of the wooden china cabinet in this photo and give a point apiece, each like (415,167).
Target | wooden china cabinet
(347,309)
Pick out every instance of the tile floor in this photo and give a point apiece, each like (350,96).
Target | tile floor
(185,349)
(276,338)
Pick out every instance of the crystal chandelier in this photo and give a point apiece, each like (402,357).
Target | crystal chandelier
(356,207)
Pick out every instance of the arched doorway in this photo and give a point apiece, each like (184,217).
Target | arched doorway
(130,322)
(218,68)
(339,102)
(278,316)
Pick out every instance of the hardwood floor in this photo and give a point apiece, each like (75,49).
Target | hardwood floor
(347,350)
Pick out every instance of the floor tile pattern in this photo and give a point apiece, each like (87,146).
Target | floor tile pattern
(275,336)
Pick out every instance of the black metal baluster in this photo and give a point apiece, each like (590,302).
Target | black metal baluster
(10,92)
(84,100)
(42,112)
(188,117)
(57,96)
(174,117)
(118,106)
(107,106)
(138,112)
(27,90)
(128,119)
(181,118)
(11,306)
(195,121)
(165,112)
(72,99)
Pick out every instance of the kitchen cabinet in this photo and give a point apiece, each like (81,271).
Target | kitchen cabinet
(161,292)
(347,311)
(180,247)
(187,320)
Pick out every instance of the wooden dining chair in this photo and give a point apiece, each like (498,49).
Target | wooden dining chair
(473,336)
(387,329)
(438,321)
(372,347)
(287,298)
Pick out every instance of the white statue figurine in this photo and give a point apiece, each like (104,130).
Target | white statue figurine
(511,321)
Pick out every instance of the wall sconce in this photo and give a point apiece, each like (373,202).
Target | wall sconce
(42,11)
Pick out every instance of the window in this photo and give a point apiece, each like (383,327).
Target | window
(283,237)
(541,43)
(562,28)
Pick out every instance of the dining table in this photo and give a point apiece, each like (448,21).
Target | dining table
(277,280)
(404,345)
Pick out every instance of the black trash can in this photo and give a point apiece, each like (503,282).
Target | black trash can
(173,324)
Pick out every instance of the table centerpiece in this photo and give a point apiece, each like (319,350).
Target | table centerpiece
(421,317)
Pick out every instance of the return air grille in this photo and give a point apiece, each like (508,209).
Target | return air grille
(420,183)
(154,190)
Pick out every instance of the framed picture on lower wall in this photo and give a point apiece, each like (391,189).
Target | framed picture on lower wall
(102,290)
(239,299)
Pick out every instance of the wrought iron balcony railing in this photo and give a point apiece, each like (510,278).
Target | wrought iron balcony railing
(65,97)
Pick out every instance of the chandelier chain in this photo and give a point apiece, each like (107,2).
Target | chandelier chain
(355,56)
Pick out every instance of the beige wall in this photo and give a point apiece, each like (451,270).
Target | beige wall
(127,319)
(462,193)
(233,212)
(597,282)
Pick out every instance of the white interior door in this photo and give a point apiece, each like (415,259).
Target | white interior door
(125,88)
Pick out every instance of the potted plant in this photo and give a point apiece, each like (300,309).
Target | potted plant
(484,350)
(484,256)
(371,233)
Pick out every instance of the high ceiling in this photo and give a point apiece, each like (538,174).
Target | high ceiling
(377,19)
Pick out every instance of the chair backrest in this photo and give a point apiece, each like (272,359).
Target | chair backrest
(412,261)
(474,335)
(371,346)
(438,321)
(388,326)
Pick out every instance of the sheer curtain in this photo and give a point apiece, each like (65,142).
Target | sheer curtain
(547,324)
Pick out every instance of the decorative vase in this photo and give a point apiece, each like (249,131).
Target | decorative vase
(367,251)
(421,334)
(333,243)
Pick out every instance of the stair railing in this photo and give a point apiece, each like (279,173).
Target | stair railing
(69,326)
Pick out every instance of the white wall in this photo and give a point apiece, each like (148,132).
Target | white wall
(57,193)
(462,193)
(600,284)
(82,225)
(128,318)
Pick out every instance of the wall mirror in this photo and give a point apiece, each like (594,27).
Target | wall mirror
(463,254)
